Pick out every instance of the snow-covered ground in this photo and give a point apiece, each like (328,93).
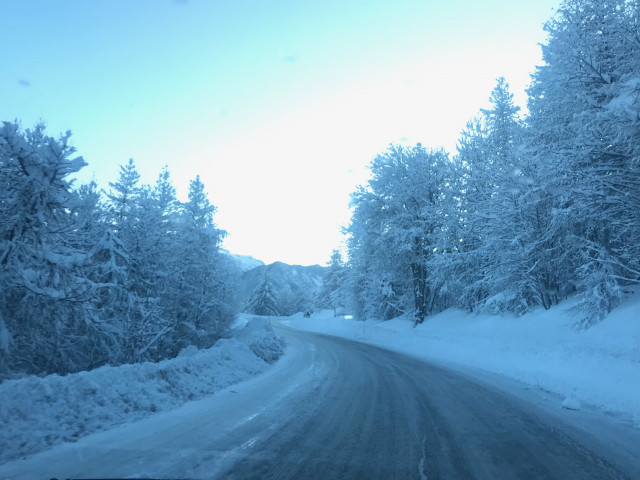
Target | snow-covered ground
(599,366)
(38,412)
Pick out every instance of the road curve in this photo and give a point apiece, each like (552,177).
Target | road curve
(337,409)
(379,414)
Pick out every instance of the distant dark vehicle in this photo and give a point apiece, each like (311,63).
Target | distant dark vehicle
(307,314)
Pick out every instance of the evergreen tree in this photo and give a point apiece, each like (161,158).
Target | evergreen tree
(333,294)
(206,306)
(262,300)
(44,292)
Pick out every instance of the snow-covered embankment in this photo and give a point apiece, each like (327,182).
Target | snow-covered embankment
(37,412)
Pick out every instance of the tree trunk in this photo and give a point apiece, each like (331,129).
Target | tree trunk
(420,291)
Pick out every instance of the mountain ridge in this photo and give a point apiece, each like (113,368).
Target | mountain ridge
(293,288)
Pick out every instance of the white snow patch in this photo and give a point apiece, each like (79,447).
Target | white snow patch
(37,412)
(423,458)
(571,403)
(599,366)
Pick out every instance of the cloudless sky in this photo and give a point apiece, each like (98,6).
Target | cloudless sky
(278,105)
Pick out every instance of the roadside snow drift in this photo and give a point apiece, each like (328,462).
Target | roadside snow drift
(37,412)
(599,366)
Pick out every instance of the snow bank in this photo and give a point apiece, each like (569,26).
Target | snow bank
(37,412)
(258,335)
(599,366)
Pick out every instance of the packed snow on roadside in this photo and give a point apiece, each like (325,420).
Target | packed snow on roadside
(38,412)
(599,366)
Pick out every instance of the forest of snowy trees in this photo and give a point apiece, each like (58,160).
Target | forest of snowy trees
(530,209)
(90,278)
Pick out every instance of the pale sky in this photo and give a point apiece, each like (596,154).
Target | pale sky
(278,105)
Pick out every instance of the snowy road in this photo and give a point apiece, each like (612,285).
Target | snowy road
(333,408)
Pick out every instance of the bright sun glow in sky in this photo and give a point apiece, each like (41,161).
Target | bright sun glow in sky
(278,105)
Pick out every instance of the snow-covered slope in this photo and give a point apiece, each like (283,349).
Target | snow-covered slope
(244,262)
(599,366)
(37,412)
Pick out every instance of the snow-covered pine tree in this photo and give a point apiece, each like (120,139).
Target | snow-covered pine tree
(333,293)
(467,265)
(44,290)
(207,303)
(263,301)
(123,197)
(498,205)
(130,217)
(161,222)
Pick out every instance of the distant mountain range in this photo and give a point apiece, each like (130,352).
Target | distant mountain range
(244,262)
(293,287)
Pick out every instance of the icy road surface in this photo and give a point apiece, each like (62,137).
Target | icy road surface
(337,409)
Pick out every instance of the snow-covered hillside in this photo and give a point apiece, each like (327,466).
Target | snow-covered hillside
(38,412)
(599,366)
(244,262)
